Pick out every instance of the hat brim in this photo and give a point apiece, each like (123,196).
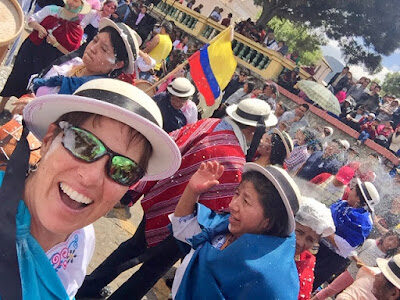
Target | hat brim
(272,120)
(286,140)
(130,68)
(359,183)
(282,188)
(165,159)
(389,275)
(182,95)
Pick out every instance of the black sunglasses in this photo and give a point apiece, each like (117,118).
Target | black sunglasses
(85,146)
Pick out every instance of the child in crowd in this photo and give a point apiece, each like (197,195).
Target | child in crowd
(386,246)
(247,253)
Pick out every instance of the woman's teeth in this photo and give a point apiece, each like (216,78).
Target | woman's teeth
(74,195)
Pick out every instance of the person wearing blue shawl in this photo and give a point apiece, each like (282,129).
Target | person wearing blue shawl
(96,143)
(353,222)
(246,254)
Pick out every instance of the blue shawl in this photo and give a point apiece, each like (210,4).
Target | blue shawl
(352,224)
(38,278)
(68,85)
(252,267)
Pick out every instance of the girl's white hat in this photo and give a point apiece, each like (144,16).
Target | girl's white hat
(117,100)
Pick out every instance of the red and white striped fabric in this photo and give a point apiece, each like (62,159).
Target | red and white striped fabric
(198,142)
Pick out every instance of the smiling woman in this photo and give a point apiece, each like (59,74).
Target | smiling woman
(95,144)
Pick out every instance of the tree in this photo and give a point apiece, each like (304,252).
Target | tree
(366,29)
(299,39)
(391,84)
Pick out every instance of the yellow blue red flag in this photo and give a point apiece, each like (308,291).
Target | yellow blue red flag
(212,66)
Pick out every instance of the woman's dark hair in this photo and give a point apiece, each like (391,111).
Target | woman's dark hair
(250,86)
(271,202)
(278,150)
(119,49)
(391,252)
(77,118)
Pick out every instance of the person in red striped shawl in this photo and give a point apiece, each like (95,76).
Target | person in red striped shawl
(225,141)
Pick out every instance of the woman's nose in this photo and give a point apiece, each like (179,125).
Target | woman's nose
(93,174)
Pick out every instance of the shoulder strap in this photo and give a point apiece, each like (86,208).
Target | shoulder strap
(10,194)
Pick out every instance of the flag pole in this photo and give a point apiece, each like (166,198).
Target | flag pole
(180,66)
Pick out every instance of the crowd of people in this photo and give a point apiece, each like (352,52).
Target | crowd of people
(291,209)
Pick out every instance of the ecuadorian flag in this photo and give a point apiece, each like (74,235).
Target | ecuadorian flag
(212,66)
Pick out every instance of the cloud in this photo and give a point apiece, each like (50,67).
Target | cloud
(359,71)
(397,51)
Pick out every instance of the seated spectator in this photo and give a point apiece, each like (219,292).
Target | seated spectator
(270,41)
(353,224)
(371,101)
(282,48)
(384,132)
(171,102)
(294,119)
(346,108)
(198,8)
(357,90)
(227,21)
(236,83)
(288,80)
(303,141)
(313,221)
(368,131)
(274,148)
(366,255)
(181,44)
(387,109)
(322,162)
(269,94)
(368,118)
(353,118)
(255,241)
(395,142)
(331,187)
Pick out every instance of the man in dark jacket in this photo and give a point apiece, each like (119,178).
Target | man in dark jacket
(336,78)
(236,83)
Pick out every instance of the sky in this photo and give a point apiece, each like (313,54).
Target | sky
(390,63)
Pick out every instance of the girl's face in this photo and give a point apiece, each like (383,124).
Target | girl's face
(109,8)
(353,200)
(61,210)
(247,213)
(264,148)
(300,137)
(99,57)
(74,4)
(305,238)
(390,242)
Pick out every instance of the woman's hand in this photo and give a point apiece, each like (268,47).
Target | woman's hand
(51,39)
(20,104)
(206,177)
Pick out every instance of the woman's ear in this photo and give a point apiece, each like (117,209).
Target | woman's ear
(119,65)
(265,224)
(48,139)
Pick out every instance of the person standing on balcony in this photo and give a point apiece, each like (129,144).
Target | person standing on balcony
(160,46)
(336,78)
(198,8)
(270,41)
(227,21)
(216,14)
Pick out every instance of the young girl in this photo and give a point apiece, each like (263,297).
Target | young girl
(245,254)
(366,255)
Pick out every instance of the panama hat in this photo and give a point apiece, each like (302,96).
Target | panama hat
(286,140)
(249,111)
(181,87)
(117,100)
(286,187)
(130,38)
(86,7)
(370,194)
(345,144)
(390,269)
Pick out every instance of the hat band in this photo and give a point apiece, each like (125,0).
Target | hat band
(178,91)
(287,188)
(394,268)
(248,116)
(118,100)
(131,43)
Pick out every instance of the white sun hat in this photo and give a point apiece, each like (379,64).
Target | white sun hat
(130,38)
(181,87)
(117,100)
(249,111)
(286,187)
(370,194)
(390,269)
(315,215)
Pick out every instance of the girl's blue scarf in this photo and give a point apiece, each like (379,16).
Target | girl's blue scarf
(68,85)
(352,224)
(252,267)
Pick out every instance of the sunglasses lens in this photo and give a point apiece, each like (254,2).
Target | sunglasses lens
(83,144)
(124,170)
